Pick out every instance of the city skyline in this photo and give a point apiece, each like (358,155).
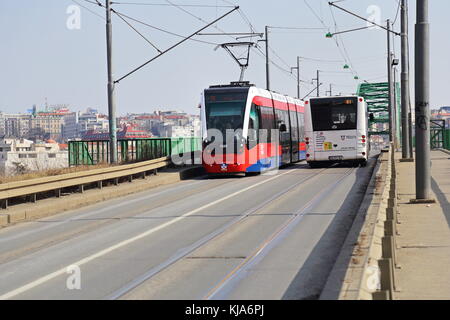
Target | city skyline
(51,107)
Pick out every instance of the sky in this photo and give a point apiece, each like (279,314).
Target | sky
(46,54)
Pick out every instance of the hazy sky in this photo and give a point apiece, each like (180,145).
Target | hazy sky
(42,58)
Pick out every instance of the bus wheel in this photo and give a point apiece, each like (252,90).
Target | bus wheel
(364,163)
(313,165)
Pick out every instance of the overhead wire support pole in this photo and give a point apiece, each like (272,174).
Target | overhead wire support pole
(395,104)
(406,152)
(318,83)
(422,100)
(390,87)
(298,76)
(176,45)
(111,87)
(267,58)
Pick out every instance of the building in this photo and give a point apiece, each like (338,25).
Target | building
(2,125)
(17,125)
(125,133)
(70,126)
(91,120)
(18,156)
(46,126)
(444,113)
(174,131)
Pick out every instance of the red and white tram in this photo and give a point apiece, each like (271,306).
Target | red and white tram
(250,130)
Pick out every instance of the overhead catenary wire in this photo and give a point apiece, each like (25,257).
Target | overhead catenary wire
(167,5)
(337,38)
(175,45)
(127,19)
(398,11)
(137,31)
(195,16)
(86,8)
(163,30)
(257,50)
(343,53)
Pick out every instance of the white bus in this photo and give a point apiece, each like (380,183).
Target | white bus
(336,130)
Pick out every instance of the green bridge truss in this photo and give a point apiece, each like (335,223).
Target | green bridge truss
(377,98)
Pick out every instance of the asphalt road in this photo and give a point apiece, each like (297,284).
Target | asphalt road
(262,237)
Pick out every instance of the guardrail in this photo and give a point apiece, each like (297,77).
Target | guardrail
(31,188)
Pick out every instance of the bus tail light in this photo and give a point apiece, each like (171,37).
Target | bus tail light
(308,155)
(363,153)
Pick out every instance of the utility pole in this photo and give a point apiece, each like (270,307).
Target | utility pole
(298,76)
(389,65)
(411,146)
(318,83)
(111,87)
(406,117)
(395,108)
(422,83)
(267,58)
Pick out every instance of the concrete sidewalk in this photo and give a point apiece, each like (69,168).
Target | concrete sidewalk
(424,234)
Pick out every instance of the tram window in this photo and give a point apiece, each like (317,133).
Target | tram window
(283,118)
(254,118)
(294,125)
(223,114)
(334,115)
(267,120)
(253,126)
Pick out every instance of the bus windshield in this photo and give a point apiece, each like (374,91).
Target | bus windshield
(334,114)
(225,111)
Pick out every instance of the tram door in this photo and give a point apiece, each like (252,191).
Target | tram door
(283,125)
(295,140)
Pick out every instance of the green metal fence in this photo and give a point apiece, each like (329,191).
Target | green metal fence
(132,150)
(447,139)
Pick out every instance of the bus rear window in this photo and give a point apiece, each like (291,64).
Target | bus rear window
(334,114)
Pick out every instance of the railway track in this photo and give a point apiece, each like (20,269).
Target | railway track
(216,234)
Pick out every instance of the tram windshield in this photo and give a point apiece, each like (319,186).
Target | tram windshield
(334,114)
(225,111)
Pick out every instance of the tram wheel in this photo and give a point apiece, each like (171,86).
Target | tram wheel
(252,174)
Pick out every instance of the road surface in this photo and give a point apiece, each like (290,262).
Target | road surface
(261,237)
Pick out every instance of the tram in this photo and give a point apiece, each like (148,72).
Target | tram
(250,130)
(336,130)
